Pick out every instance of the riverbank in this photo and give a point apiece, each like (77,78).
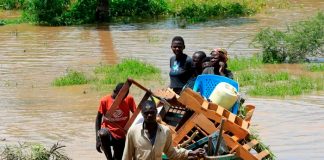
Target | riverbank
(74,13)
(32,56)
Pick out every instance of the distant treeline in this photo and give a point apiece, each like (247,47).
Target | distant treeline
(68,12)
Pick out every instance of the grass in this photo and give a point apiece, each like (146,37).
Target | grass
(237,64)
(314,67)
(261,146)
(257,81)
(138,70)
(71,78)
(294,87)
(32,151)
(108,75)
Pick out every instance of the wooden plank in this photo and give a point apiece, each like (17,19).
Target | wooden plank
(194,105)
(220,110)
(262,154)
(119,98)
(138,85)
(203,122)
(185,98)
(243,151)
(194,94)
(231,117)
(250,110)
(137,111)
(213,106)
(205,104)
(245,124)
(244,154)
(250,144)
(182,132)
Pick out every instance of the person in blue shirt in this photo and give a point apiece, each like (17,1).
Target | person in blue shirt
(180,65)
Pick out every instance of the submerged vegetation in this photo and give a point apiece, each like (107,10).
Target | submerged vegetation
(112,74)
(71,78)
(302,39)
(32,151)
(315,67)
(258,81)
(68,12)
(108,75)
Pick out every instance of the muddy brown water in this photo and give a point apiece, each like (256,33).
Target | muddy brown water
(32,56)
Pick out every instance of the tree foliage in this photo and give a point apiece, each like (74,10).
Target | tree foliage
(302,39)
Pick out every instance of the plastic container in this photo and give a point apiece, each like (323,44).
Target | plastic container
(224,95)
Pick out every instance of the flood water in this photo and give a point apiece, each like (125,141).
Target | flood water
(32,56)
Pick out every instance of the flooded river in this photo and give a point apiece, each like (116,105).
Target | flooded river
(32,56)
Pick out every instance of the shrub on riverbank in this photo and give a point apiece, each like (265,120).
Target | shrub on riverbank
(46,12)
(305,38)
(197,10)
(68,12)
(12,4)
(138,8)
(32,151)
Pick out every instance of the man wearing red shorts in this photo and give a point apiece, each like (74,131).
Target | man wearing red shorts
(109,128)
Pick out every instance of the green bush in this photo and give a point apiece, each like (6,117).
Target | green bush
(80,12)
(71,78)
(47,12)
(12,4)
(301,39)
(197,10)
(32,151)
(138,7)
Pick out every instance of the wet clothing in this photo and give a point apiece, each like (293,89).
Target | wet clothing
(138,145)
(211,70)
(180,71)
(115,122)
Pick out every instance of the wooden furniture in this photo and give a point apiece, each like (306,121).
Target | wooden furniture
(234,125)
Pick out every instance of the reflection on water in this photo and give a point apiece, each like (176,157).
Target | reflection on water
(32,56)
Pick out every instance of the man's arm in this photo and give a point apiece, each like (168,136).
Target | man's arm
(98,127)
(129,150)
(172,152)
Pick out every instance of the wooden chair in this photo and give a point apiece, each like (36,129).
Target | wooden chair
(234,125)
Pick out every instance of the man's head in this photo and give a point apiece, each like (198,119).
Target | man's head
(206,62)
(149,111)
(218,55)
(177,45)
(197,59)
(117,89)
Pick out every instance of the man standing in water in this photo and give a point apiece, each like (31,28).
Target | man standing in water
(110,128)
(149,139)
(180,65)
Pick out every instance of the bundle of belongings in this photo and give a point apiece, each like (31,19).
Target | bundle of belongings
(206,117)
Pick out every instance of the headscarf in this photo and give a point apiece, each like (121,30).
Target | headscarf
(223,52)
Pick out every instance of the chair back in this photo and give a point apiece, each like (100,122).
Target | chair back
(206,83)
